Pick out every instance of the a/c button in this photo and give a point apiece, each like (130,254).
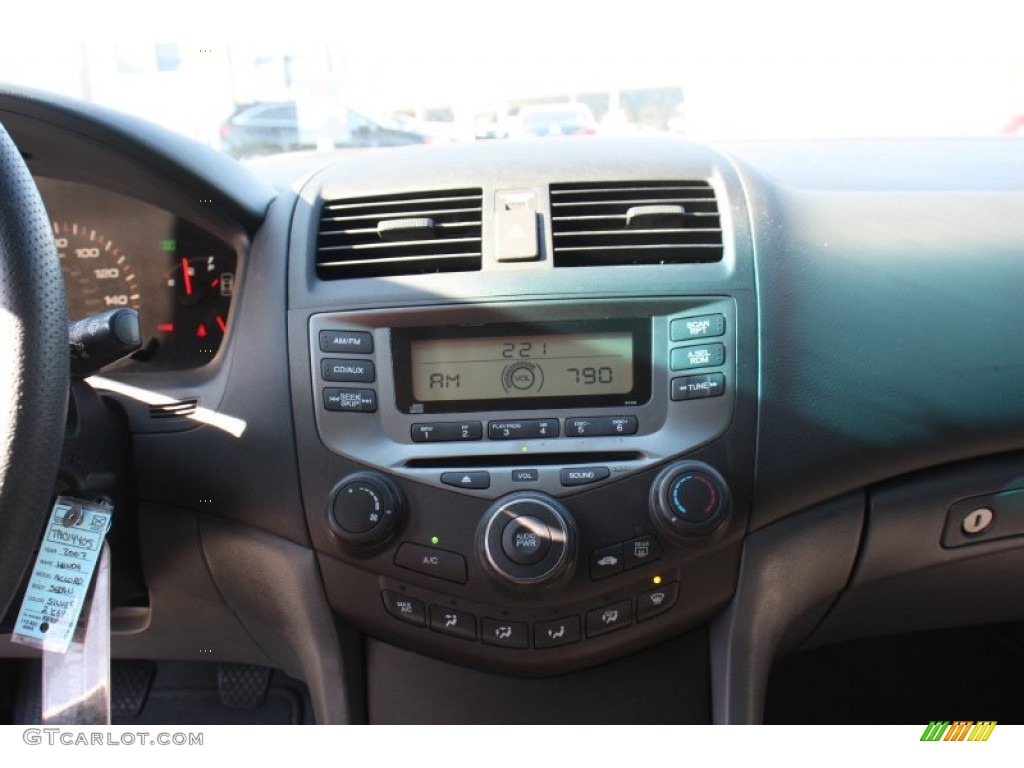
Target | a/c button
(439,563)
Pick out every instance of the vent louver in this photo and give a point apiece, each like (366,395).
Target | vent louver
(638,222)
(179,409)
(403,234)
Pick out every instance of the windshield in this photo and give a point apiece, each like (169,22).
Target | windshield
(409,74)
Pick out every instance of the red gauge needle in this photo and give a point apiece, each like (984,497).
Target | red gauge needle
(188,278)
(221,323)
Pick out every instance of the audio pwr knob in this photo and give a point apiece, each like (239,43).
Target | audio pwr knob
(689,498)
(527,539)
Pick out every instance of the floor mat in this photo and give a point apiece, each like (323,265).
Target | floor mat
(185,693)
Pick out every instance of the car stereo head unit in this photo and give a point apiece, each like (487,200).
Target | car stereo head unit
(538,395)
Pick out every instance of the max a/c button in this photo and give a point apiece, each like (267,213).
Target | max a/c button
(583,475)
(440,563)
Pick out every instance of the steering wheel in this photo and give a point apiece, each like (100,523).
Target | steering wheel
(33,367)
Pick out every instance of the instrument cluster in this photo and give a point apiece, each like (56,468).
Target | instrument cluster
(119,252)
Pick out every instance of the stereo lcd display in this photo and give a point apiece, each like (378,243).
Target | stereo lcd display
(503,367)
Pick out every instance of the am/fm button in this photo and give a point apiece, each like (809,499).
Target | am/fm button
(583,475)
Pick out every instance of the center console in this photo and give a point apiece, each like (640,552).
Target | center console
(523,469)
(525,476)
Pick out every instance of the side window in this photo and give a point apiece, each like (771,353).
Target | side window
(357,122)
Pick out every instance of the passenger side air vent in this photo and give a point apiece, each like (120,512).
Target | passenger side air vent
(639,222)
(405,234)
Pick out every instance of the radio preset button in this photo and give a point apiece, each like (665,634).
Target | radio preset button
(601,426)
(447,431)
(699,327)
(522,429)
(358,342)
(695,387)
(440,563)
(703,356)
(335,369)
(583,475)
(340,399)
(476,480)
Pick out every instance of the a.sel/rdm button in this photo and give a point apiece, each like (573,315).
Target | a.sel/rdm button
(583,475)
(704,356)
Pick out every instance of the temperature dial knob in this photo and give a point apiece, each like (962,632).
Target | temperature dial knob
(689,498)
(365,509)
(528,539)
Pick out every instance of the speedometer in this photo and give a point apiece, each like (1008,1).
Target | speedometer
(98,276)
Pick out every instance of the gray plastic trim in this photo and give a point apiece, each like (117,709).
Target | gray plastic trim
(790,574)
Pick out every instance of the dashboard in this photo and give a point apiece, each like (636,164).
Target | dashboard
(523,421)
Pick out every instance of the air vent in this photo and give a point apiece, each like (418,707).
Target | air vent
(640,222)
(178,409)
(406,234)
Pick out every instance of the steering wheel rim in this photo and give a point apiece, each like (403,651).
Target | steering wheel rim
(33,367)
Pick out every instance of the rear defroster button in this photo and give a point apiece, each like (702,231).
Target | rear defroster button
(583,475)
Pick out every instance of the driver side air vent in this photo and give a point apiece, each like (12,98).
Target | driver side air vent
(404,234)
(637,222)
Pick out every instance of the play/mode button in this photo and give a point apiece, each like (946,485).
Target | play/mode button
(476,480)
(583,475)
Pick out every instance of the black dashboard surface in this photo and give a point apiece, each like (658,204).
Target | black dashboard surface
(877,286)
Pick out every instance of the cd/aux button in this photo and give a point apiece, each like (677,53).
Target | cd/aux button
(334,369)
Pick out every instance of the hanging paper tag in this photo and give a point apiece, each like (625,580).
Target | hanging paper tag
(62,574)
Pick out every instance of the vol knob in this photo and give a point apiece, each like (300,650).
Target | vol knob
(527,539)
(365,509)
(689,498)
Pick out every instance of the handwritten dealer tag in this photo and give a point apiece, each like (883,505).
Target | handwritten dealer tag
(62,573)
